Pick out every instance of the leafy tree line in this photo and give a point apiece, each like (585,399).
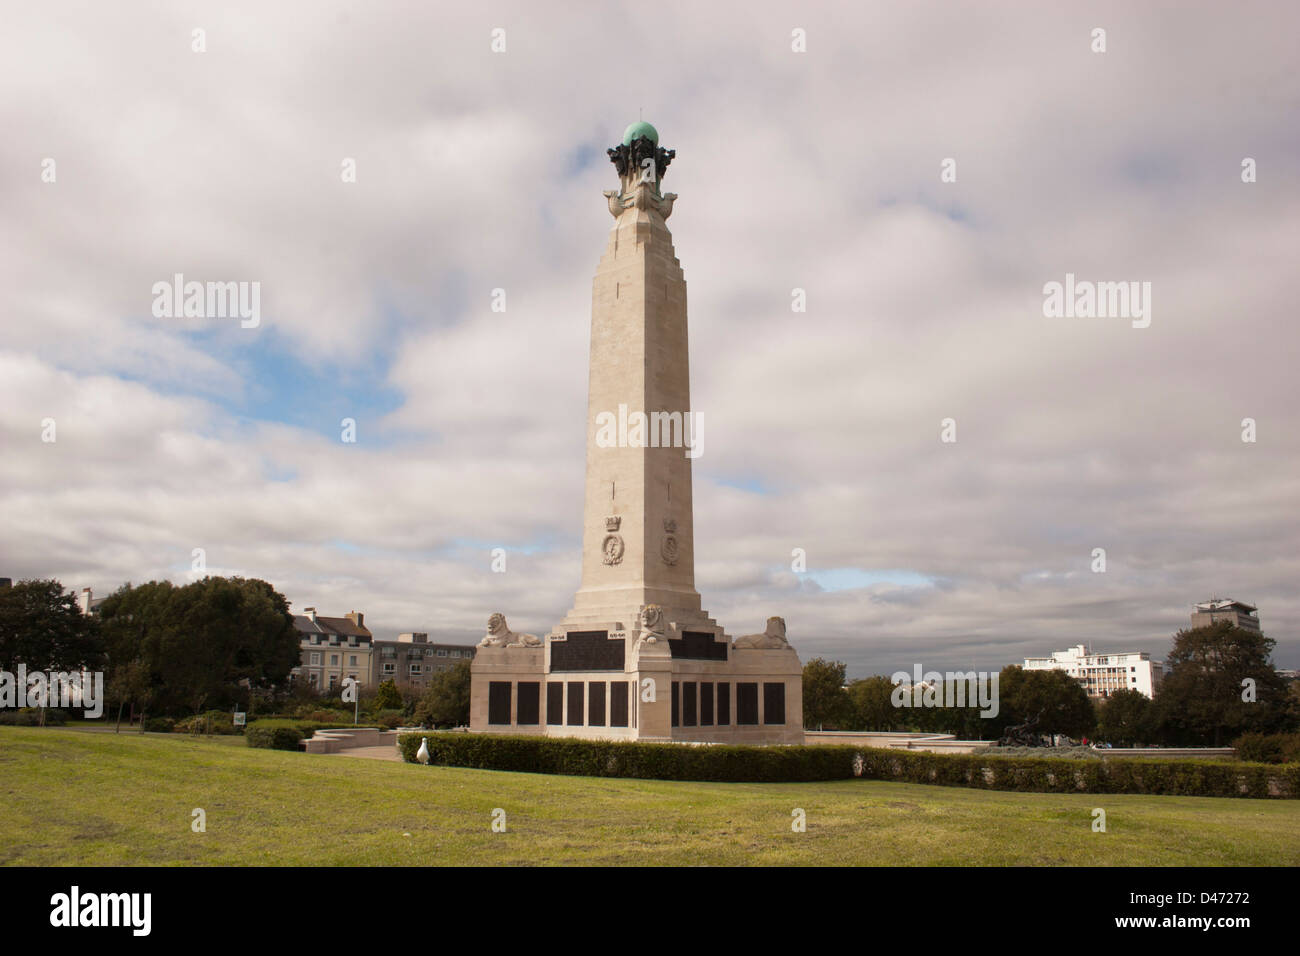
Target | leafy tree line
(1220,683)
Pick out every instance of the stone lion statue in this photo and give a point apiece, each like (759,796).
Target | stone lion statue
(500,635)
(773,637)
(651,625)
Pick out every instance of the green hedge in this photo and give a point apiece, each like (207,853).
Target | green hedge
(1268,748)
(284,734)
(598,758)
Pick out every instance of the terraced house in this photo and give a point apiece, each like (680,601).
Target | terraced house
(333,648)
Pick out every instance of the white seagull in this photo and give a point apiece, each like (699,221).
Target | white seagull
(422,754)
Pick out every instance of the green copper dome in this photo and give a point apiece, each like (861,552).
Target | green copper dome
(639,129)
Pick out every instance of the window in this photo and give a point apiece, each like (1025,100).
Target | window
(334,660)
(442,652)
(455,653)
(315,657)
(416,668)
(390,668)
(313,679)
(352,660)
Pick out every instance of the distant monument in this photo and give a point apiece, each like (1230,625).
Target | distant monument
(637,658)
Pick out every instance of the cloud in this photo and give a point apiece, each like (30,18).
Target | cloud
(818,171)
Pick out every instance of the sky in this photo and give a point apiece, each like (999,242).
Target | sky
(818,169)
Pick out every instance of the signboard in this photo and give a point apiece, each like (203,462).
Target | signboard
(239,718)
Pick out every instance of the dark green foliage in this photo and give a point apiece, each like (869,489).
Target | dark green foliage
(212,722)
(32,717)
(178,650)
(159,725)
(825,702)
(596,758)
(1125,719)
(1060,700)
(445,702)
(1200,701)
(1268,748)
(387,697)
(42,626)
(870,706)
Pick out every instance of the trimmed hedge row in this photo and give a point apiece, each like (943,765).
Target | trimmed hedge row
(1268,748)
(284,734)
(747,764)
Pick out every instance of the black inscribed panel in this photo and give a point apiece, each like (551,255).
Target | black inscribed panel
(697,646)
(596,704)
(689,697)
(706,704)
(528,706)
(724,705)
(499,702)
(555,703)
(746,703)
(774,703)
(618,704)
(575,703)
(587,651)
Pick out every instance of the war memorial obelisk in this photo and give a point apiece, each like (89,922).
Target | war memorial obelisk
(637,658)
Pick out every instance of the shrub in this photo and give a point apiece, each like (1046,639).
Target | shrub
(31,717)
(388,719)
(211,722)
(1268,748)
(598,758)
(159,725)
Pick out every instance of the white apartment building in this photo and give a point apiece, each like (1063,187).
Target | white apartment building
(1103,674)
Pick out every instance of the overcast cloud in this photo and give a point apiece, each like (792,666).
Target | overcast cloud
(819,170)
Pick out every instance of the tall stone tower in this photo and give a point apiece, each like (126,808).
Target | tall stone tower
(638,542)
(637,657)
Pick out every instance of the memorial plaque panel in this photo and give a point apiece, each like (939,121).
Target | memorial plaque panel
(618,703)
(746,703)
(555,703)
(575,703)
(498,702)
(528,706)
(774,703)
(587,651)
(697,646)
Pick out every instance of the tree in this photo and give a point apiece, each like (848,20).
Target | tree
(824,698)
(42,626)
(1124,718)
(1214,670)
(387,697)
(445,702)
(1054,698)
(870,707)
(210,643)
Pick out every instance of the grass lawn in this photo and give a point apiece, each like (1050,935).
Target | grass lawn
(70,796)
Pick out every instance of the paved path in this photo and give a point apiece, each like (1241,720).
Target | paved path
(388,752)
